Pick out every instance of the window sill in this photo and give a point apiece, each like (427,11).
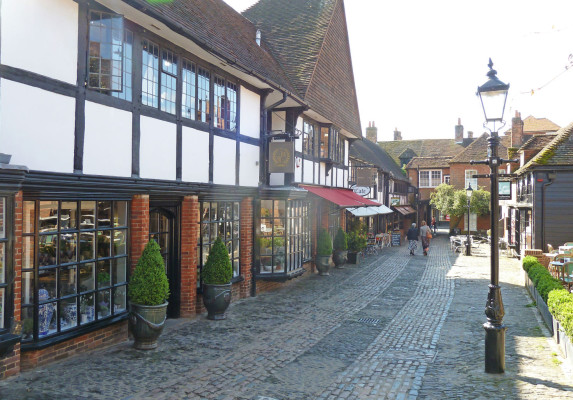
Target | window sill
(7,343)
(280,277)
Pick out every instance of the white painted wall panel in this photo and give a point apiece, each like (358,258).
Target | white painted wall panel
(225,154)
(278,122)
(316,174)
(323,174)
(277,179)
(298,170)
(298,142)
(41,36)
(195,151)
(308,171)
(250,113)
(158,147)
(346,151)
(249,165)
(37,127)
(340,177)
(107,144)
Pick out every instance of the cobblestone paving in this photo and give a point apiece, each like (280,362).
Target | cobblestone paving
(395,327)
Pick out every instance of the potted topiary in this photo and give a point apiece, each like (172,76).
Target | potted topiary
(323,252)
(340,248)
(356,243)
(216,276)
(148,293)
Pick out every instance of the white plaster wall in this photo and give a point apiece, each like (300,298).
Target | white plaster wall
(278,121)
(346,151)
(107,143)
(250,113)
(41,36)
(298,170)
(37,127)
(298,142)
(224,154)
(323,174)
(308,171)
(249,165)
(340,177)
(195,152)
(316,175)
(158,147)
(277,179)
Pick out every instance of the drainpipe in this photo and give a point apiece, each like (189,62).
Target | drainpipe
(550,178)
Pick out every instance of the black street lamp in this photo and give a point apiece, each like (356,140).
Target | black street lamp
(469,192)
(493,95)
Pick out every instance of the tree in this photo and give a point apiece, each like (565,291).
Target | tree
(454,202)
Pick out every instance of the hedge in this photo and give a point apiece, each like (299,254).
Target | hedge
(558,300)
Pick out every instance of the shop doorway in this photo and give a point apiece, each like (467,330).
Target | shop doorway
(164,229)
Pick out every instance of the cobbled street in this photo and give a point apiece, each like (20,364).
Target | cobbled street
(393,327)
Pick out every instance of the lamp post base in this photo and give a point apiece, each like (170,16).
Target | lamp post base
(494,348)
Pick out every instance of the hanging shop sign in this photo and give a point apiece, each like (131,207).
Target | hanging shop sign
(281,158)
(361,190)
(394,201)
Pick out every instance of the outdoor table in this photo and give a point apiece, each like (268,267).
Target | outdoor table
(565,249)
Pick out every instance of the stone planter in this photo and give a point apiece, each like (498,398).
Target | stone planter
(339,258)
(323,264)
(146,324)
(216,299)
(354,258)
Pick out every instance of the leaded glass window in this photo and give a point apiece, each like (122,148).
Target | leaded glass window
(150,74)
(168,81)
(105,63)
(203,90)
(189,87)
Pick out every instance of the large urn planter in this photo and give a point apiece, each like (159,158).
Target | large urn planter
(340,248)
(216,299)
(323,265)
(146,324)
(339,258)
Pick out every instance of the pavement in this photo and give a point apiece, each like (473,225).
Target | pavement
(393,327)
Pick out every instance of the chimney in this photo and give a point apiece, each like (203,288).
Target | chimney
(397,134)
(372,132)
(470,135)
(459,138)
(516,130)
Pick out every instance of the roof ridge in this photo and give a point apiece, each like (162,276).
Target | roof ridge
(548,151)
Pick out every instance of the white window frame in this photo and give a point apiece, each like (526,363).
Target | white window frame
(432,181)
(468,180)
(447,179)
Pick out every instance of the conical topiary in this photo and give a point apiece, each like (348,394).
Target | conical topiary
(149,285)
(217,270)
(324,245)
(340,241)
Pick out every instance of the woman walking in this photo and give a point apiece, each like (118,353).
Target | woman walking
(426,235)
(412,236)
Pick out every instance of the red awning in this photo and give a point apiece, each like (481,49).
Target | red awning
(340,197)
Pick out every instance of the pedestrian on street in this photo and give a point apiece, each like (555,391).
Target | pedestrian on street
(412,236)
(426,235)
(434,224)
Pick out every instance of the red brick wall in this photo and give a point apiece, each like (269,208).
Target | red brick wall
(246,246)
(189,234)
(107,336)
(139,227)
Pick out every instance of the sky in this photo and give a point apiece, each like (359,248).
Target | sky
(417,63)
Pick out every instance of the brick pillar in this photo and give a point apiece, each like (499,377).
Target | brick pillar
(516,130)
(189,235)
(343,219)
(139,226)
(10,363)
(246,246)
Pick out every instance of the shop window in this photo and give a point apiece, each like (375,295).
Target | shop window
(74,265)
(284,243)
(219,219)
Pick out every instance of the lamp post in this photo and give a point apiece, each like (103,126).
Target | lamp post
(493,95)
(469,192)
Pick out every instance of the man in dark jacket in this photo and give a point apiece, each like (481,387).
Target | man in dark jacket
(412,236)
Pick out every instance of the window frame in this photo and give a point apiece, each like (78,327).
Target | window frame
(430,178)
(6,287)
(308,138)
(474,181)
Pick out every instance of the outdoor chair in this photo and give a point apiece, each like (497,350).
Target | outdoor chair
(567,274)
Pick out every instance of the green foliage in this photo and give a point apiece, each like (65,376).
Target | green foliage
(454,202)
(149,285)
(340,241)
(442,198)
(357,241)
(218,269)
(528,262)
(543,281)
(560,304)
(324,245)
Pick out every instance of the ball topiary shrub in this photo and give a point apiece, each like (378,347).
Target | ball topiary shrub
(340,240)
(528,262)
(149,285)
(218,269)
(324,246)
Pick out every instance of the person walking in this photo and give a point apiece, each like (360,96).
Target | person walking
(434,224)
(426,235)
(412,236)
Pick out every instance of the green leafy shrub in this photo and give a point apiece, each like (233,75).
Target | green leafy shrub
(217,270)
(528,262)
(149,285)
(324,245)
(560,304)
(357,242)
(340,240)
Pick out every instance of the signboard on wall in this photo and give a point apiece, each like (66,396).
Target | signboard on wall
(361,190)
(504,190)
(281,157)
(395,201)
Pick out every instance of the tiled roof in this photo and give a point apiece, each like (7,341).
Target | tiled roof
(422,147)
(538,142)
(309,38)
(558,152)
(217,27)
(477,151)
(532,124)
(429,162)
(366,151)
